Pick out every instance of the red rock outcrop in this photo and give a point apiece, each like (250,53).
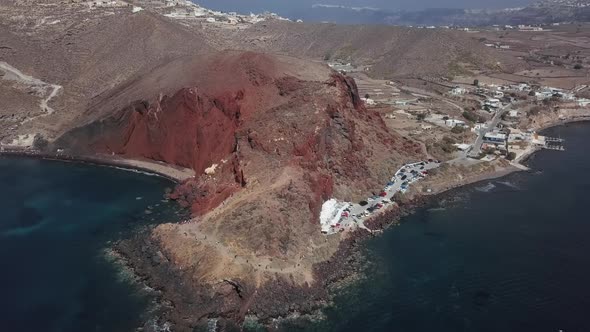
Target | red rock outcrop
(285,136)
(245,112)
(189,129)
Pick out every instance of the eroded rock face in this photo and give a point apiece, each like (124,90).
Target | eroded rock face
(188,129)
(284,138)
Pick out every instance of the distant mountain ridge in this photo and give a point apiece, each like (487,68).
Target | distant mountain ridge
(542,12)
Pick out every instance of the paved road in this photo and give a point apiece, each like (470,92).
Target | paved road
(356,211)
(476,149)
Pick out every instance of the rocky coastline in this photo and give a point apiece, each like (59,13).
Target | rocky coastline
(188,305)
(281,299)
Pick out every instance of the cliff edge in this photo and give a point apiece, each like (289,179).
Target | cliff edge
(270,139)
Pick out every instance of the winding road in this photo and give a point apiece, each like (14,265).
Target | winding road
(42,88)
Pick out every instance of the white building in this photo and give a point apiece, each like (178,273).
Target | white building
(517,136)
(529,28)
(513,114)
(545,94)
(521,87)
(454,123)
(567,96)
(538,140)
(456,91)
(463,147)
(495,138)
(200,12)
(492,102)
(479,126)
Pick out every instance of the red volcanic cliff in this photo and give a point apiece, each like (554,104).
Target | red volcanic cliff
(261,120)
(285,135)
(189,129)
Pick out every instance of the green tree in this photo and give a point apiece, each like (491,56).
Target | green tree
(470,116)
(458,130)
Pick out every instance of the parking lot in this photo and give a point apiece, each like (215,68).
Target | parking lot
(353,215)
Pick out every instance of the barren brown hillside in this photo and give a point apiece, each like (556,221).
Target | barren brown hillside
(269,136)
(387,51)
(270,139)
(86,52)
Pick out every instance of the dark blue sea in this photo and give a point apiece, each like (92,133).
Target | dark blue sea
(56,220)
(505,255)
(511,254)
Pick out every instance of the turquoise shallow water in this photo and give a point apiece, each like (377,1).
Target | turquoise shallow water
(506,255)
(56,219)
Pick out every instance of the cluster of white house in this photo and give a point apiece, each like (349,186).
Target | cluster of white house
(494,94)
(500,46)
(443,121)
(500,139)
(186,9)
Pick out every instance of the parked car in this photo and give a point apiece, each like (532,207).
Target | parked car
(404,177)
(363,203)
(383,194)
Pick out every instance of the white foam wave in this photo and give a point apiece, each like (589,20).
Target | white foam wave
(487,188)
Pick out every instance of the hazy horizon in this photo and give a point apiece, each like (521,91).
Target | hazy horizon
(287,8)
